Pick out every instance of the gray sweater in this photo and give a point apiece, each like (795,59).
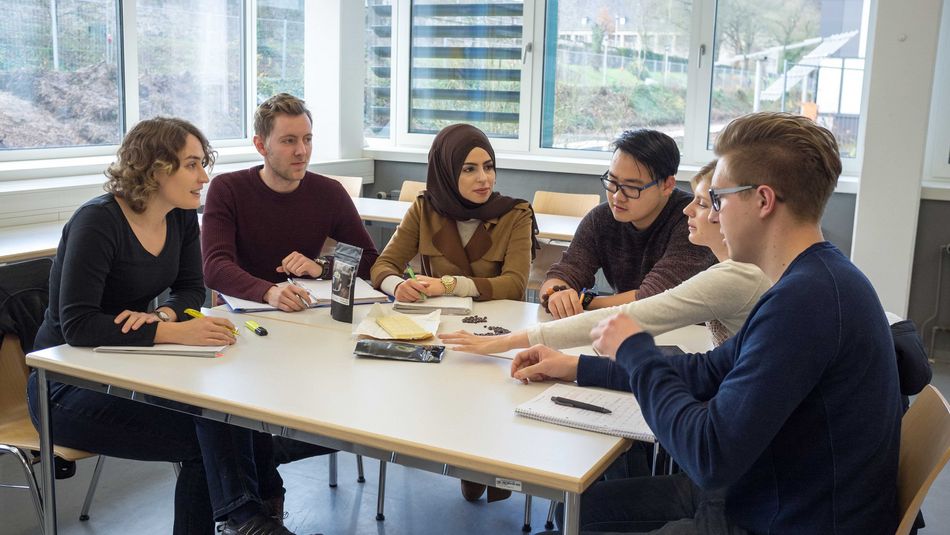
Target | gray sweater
(649,261)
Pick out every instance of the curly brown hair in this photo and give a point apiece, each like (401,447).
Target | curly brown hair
(151,146)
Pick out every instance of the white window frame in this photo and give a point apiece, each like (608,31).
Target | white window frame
(938,152)
(404,146)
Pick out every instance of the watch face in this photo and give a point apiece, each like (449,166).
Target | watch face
(162,315)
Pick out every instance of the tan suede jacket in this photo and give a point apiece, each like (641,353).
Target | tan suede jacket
(497,257)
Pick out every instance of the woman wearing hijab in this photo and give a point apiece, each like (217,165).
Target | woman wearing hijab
(472,240)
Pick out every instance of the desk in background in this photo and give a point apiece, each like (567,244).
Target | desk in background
(39,240)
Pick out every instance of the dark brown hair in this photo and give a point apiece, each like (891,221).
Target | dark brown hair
(151,146)
(790,153)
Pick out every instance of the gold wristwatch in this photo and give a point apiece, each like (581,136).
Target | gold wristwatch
(448,282)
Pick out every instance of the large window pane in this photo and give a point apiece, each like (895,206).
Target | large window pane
(799,56)
(616,65)
(191,63)
(378,59)
(280,48)
(465,65)
(59,77)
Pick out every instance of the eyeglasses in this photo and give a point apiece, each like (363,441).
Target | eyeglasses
(629,192)
(715,195)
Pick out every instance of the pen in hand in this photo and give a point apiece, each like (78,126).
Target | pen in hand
(195,314)
(300,297)
(568,402)
(412,275)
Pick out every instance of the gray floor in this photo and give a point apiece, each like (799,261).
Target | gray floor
(136,497)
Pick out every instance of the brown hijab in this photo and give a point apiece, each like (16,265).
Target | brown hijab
(446,158)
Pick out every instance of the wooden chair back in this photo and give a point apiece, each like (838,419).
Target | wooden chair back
(352,184)
(410,190)
(572,204)
(925,449)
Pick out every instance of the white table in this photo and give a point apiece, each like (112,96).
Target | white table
(39,240)
(553,227)
(455,418)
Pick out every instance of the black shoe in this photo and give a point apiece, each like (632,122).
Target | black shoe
(257,525)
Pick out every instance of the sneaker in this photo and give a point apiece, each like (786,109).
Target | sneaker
(257,525)
(274,508)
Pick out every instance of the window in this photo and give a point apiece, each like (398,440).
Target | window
(62,65)
(683,67)
(59,74)
(615,65)
(190,63)
(465,65)
(799,56)
(280,48)
(378,60)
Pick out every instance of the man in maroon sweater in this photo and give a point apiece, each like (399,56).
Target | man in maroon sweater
(639,237)
(269,222)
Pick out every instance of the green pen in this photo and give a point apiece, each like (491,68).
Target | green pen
(412,275)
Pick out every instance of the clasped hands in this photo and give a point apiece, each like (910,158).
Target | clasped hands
(206,331)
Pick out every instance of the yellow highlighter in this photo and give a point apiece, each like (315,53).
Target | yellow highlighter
(195,314)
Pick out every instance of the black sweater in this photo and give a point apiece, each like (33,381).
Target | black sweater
(101,269)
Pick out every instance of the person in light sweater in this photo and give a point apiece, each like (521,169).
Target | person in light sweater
(721,296)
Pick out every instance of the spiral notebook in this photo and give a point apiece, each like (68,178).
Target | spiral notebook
(624,420)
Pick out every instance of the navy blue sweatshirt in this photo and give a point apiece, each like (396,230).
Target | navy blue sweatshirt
(798,415)
(101,269)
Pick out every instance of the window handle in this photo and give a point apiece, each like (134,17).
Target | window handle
(702,52)
(528,48)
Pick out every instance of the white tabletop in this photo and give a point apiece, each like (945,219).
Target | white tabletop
(554,227)
(459,412)
(41,239)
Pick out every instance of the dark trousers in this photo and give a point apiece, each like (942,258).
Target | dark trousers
(219,463)
(668,505)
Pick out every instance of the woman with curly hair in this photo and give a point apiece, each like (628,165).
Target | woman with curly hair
(117,253)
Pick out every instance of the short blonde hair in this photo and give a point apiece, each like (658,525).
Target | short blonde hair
(790,153)
(151,146)
(705,173)
(268,111)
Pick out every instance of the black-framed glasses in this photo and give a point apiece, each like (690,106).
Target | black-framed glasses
(629,192)
(715,195)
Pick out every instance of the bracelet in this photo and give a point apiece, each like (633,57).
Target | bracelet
(552,290)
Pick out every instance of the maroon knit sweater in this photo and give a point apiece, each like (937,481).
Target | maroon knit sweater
(248,228)
(650,261)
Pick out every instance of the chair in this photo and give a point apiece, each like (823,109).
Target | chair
(925,450)
(549,202)
(352,184)
(410,190)
(24,295)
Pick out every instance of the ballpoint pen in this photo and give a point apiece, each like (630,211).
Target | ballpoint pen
(568,402)
(300,297)
(412,275)
(195,314)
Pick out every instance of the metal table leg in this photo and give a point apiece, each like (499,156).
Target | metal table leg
(46,456)
(572,509)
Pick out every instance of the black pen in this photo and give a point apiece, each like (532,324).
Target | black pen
(568,402)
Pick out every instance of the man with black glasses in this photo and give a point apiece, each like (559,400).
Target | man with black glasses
(639,237)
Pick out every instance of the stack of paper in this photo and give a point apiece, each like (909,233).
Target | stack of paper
(319,290)
(165,349)
(624,420)
(448,304)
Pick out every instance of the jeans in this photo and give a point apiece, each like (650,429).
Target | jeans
(222,467)
(667,505)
